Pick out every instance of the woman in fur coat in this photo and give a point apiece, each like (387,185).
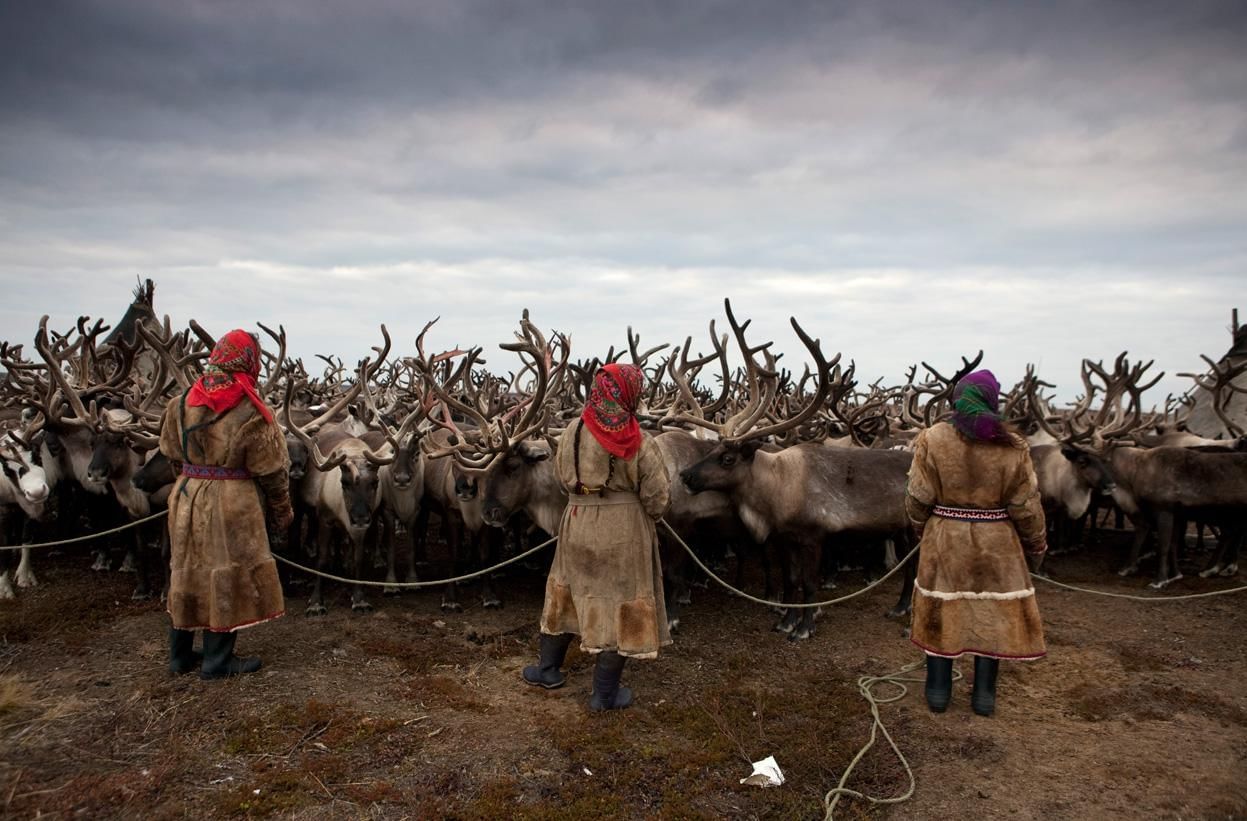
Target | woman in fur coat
(973,501)
(606,581)
(232,461)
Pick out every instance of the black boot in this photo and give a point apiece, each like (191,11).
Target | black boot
(219,658)
(939,683)
(607,694)
(545,673)
(983,699)
(182,656)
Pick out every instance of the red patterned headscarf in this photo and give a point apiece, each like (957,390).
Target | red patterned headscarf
(610,413)
(231,375)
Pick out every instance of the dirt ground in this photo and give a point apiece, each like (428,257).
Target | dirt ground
(1139,711)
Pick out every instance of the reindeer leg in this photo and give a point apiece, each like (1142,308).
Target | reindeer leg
(389,539)
(1234,538)
(454,538)
(811,555)
(359,547)
(316,604)
(904,602)
(166,568)
(419,533)
(673,568)
(25,577)
(488,551)
(792,572)
(1141,531)
(1165,533)
(143,587)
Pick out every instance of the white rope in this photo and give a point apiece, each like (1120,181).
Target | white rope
(1183,597)
(410,585)
(768,602)
(88,537)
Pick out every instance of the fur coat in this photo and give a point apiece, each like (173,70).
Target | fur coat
(973,592)
(605,584)
(223,576)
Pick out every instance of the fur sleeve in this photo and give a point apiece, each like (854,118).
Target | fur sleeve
(1026,506)
(170,432)
(655,484)
(265,447)
(920,490)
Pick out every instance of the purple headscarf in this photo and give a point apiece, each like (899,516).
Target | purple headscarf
(975,402)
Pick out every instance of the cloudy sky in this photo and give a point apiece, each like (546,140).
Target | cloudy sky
(910,180)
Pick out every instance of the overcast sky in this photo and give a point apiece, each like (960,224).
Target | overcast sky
(1047,181)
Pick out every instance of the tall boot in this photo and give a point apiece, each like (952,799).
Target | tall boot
(182,655)
(219,658)
(939,688)
(983,700)
(545,673)
(607,694)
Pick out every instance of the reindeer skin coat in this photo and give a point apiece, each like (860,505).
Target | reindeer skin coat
(605,584)
(973,592)
(223,576)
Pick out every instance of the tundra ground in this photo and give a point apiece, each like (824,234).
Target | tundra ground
(1139,711)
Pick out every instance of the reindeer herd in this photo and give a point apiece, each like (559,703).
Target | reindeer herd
(801,470)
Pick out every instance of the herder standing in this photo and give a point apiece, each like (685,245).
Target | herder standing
(606,581)
(973,500)
(233,463)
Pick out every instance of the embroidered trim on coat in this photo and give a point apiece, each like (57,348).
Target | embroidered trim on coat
(960,653)
(962,594)
(971,514)
(214,472)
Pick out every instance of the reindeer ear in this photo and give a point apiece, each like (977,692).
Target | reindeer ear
(749,447)
(533,452)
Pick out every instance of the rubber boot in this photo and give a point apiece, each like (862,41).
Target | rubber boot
(983,700)
(182,655)
(607,694)
(939,688)
(219,658)
(545,673)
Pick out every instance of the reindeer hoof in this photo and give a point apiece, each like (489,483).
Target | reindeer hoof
(1128,570)
(140,594)
(1226,572)
(827,584)
(784,626)
(492,603)
(315,610)
(801,634)
(26,579)
(391,591)
(128,566)
(361,607)
(101,564)
(897,613)
(673,625)
(684,598)
(452,606)
(6,589)
(1210,572)
(1165,583)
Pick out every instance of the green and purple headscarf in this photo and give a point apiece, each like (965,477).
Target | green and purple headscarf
(975,402)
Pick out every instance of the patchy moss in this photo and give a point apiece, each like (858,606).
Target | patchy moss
(272,791)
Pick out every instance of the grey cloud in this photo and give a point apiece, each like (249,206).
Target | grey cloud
(472,159)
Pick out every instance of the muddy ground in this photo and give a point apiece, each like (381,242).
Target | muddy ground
(1140,711)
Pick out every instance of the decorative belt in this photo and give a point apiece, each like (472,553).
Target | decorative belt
(971,514)
(612,497)
(214,472)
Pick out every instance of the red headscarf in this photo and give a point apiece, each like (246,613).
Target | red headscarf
(231,374)
(610,413)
